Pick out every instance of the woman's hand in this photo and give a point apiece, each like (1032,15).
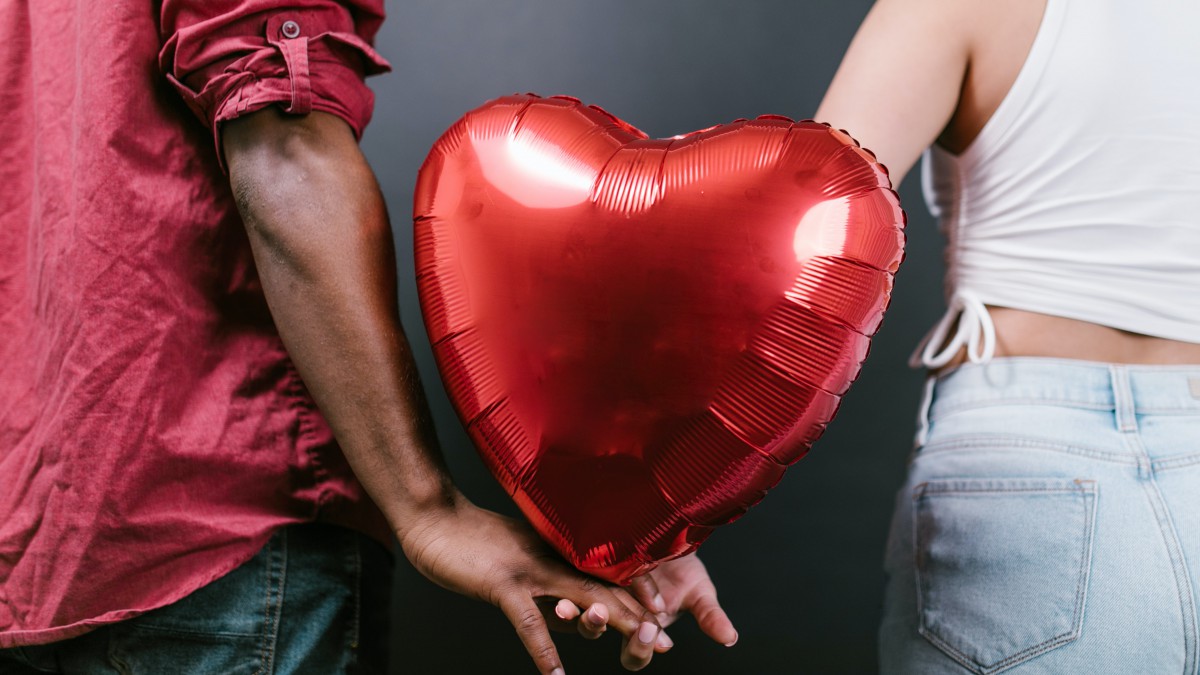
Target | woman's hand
(684,586)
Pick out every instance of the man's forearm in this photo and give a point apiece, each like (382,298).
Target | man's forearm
(323,246)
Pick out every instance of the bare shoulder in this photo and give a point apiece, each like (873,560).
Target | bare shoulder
(998,38)
(920,71)
(948,22)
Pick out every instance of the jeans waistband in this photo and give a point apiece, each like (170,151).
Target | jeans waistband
(1135,389)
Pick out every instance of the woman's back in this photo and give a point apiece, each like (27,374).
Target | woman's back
(1063,173)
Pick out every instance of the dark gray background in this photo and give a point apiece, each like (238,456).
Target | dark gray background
(800,574)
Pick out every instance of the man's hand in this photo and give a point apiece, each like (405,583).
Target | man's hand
(484,555)
(323,248)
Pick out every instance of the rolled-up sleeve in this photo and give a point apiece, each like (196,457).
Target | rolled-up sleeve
(229,58)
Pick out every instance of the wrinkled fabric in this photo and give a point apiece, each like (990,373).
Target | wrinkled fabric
(153,432)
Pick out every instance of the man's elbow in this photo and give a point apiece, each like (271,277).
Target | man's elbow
(301,184)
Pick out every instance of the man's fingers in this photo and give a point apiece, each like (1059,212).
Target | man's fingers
(638,649)
(526,617)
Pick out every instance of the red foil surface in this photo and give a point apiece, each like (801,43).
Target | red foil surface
(641,334)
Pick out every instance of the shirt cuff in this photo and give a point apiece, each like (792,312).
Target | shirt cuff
(301,60)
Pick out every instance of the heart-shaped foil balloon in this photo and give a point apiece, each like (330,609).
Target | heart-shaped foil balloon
(641,335)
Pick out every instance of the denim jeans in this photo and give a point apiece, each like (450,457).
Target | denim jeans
(315,599)
(1050,523)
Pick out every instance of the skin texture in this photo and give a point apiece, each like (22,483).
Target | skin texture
(926,71)
(323,246)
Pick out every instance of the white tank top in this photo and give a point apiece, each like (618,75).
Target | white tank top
(1081,196)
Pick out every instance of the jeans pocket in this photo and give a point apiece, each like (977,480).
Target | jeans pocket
(1002,566)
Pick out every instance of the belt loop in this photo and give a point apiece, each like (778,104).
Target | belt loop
(1123,402)
(922,436)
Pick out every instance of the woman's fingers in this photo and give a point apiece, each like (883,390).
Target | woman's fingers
(645,589)
(713,620)
(638,648)
(594,621)
(566,610)
(664,642)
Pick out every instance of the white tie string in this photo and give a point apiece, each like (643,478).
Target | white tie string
(975,331)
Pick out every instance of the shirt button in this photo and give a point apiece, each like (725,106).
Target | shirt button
(290,29)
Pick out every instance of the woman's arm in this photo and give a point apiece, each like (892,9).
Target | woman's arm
(921,71)
(899,84)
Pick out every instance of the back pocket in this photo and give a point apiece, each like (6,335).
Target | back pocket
(1002,566)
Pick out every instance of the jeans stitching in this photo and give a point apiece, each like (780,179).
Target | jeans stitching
(114,659)
(945,407)
(1183,583)
(358,583)
(949,406)
(1174,463)
(990,441)
(280,592)
(266,630)
(1006,490)
(276,567)
(183,632)
(1088,491)
(1174,550)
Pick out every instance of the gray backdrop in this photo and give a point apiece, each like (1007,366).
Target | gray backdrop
(800,574)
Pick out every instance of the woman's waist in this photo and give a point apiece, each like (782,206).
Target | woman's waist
(1022,333)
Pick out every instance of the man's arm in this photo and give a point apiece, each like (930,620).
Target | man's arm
(322,243)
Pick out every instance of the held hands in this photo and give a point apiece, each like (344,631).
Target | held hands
(484,555)
(674,587)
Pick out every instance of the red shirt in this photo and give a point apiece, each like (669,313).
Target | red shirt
(153,432)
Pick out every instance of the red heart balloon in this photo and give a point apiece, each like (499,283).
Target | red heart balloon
(640,335)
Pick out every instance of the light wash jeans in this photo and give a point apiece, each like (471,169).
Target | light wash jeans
(315,599)
(1050,523)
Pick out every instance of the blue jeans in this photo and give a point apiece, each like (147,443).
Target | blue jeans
(315,599)
(1050,523)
